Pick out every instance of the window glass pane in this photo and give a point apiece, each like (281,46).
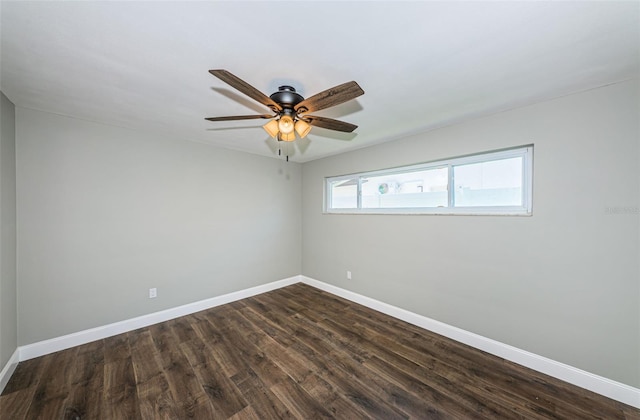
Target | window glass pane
(496,183)
(344,194)
(493,183)
(426,188)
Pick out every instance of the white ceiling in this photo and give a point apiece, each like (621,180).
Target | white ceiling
(144,65)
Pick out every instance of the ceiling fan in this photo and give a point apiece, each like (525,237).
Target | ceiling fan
(290,108)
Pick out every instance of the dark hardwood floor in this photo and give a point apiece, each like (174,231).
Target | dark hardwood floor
(295,352)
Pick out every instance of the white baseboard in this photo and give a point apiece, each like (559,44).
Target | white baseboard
(609,388)
(8,369)
(598,384)
(41,348)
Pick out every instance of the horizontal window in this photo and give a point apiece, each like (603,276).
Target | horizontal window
(487,183)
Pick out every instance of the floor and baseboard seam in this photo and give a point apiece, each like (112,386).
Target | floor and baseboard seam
(598,384)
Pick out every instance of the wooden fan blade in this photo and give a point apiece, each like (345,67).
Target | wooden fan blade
(246,88)
(330,97)
(240,117)
(330,123)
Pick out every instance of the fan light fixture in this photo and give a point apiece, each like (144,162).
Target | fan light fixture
(302,128)
(289,110)
(287,136)
(272,128)
(283,129)
(285,124)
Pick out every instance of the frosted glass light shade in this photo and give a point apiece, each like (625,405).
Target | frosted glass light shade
(302,128)
(272,128)
(285,124)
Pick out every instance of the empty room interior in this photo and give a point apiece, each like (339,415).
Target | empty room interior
(313,209)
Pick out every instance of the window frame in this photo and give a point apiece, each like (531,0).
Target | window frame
(526,209)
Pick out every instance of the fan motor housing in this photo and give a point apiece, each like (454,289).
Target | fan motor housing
(287,97)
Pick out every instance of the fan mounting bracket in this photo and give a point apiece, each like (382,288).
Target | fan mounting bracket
(287,97)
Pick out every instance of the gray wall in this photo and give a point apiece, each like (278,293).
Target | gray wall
(106,213)
(563,283)
(8,311)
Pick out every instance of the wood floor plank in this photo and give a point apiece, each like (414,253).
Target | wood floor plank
(276,332)
(477,372)
(51,393)
(290,363)
(247,413)
(155,401)
(388,358)
(392,392)
(84,400)
(447,400)
(182,328)
(206,331)
(459,360)
(253,357)
(16,404)
(298,401)
(332,399)
(116,348)
(232,359)
(27,374)
(85,397)
(319,303)
(226,398)
(294,352)
(120,390)
(262,399)
(186,389)
(152,387)
(89,363)
(373,401)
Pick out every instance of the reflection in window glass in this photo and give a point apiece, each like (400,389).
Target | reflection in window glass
(416,189)
(492,183)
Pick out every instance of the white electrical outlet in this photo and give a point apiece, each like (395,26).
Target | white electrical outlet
(348,275)
(153,292)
